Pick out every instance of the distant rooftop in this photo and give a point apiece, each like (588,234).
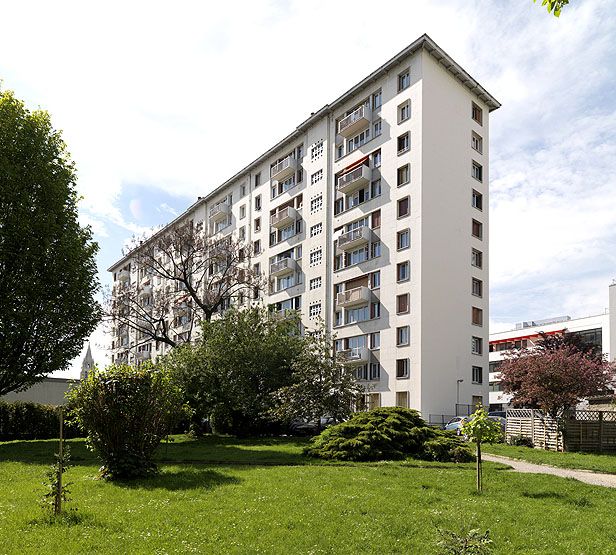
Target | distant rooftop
(545,321)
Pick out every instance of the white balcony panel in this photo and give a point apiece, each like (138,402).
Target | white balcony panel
(282,267)
(124,275)
(355,238)
(355,356)
(354,297)
(219,211)
(284,169)
(354,180)
(146,291)
(283,218)
(355,122)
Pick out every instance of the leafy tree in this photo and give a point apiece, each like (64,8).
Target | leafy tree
(126,412)
(47,265)
(230,373)
(480,428)
(554,6)
(322,385)
(551,343)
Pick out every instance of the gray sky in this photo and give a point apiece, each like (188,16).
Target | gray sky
(161,102)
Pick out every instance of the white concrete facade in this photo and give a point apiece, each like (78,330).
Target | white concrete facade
(380,200)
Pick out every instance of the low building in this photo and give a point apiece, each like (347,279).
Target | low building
(50,391)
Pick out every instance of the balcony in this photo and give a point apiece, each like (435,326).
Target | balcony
(124,275)
(219,211)
(143,355)
(354,238)
(356,355)
(283,218)
(284,169)
(146,291)
(283,267)
(355,122)
(354,180)
(354,297)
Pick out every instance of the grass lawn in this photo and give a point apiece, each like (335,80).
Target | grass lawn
(249,497)
(587,461)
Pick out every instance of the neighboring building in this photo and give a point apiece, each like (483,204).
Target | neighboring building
(597,330)
(373,214)
(50,391)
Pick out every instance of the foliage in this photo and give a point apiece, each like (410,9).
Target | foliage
(550,343)
(56,491)
(480,428)
(322,385)
(554,6)
(126,412)
(521,441)
(386,433)
(24,420)
(554,380)
(231,372)
(47,261)
(447,447)
(472,543)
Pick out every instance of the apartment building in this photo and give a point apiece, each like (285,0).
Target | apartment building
(598,329)
(373,215)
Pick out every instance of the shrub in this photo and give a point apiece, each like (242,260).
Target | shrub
(126,412)
(23,420)
(473,542)
(521,441)
(447,447)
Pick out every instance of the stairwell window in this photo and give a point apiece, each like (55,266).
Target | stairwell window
(403,240)
(477,171)
(477,229)
(404,175)
(476,345)
(477,374)
(402,368)
(477,200)
(477,142)
(403,207)
(477,316)
(477,258)
(403,271)
(404,143)
(477,287)
(402,303)
(402,336)
(404,111)
(477,113)
(404,80)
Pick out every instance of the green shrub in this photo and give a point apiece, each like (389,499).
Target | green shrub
(126,412)
(447,447)
(521,441)
(24,420)
(472,542)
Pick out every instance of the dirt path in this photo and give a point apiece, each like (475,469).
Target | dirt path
(594,478)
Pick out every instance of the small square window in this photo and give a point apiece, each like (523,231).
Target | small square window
(402,303)
(403,271)
(477,113)
(404,175)
(402,368)
(403,207)
(477,142)
(402,399)
(403,240)
(404,80)
(404,143)
(404,111)
(403,336)
(477,201)
(315,283)
(477,229)
(477,316)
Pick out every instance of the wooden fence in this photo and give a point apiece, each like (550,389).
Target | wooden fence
(580,430)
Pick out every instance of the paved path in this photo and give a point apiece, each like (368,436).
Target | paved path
(594,478)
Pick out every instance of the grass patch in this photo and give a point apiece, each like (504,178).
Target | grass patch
(583,461)
(263,496)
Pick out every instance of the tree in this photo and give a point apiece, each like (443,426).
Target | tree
(47,260)
(230,373)
(554,6)
(554,380)
(322,385)
(550,343)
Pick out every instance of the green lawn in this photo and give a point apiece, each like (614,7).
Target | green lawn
(587,461)
(245,497)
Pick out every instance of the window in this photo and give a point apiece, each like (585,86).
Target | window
(373,400)
(316,229)
(355,142)
(375,188)
(402,336)
(477,201)
(354,315)
(316,150)
(339,151)
(299,152)
(477,258)
(242,212)
(242,233)
(402,399)
(404,111)
(403,271)
(258,202)
(316,203)
(404,80)
(256,268)
(314,310)
(404,175)
(403,207)
(477,287)
(477,374)
(257,224)
(337,318)
(477,316)
(477,142)
(300,175)
(476,345)
(316,257)
(403,240)
(402,303)
(403,143)
(242,191)
(375,340)
(315,283)
(376,159)
(257,179)
(378,128)
(477,113)
(377,100)
(477,229)
(477,171)
(375,249)
(375,279)
(402,368)
(375,371)
(316,177)
(375,218)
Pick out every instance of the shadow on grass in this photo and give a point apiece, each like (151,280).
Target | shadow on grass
(41,451)
(175,480)
(579,502)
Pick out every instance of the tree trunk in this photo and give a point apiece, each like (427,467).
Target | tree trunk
(58,500)
(479,484)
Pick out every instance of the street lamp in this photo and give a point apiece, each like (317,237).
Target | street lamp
(458,382)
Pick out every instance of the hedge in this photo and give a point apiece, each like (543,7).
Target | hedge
(24,420)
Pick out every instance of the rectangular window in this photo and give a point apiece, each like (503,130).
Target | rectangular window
(477,229)
(316,229)
(477,287)
(375,279)
(339,151)
(404,80)
(377,100)
(375,371)
(375,340)
(242,233)
(378,128)
(403,240)
(403,271)
(402,368)
(477,171)
(257,224)
(316,177)
(402,399)
(404,175)
(476,345)
(477,258)
(402,303)
(315,283)
(314,310)
(355,142)
(403,143)
(403,336)
(258,202)
(404,111)
(242,191)
(316,257)
(242,212)
(477,316)
(477,201)
(477,376)
(316,203)
(477,113)
(477,142)
(257,179)
(375,250)
(375,218)
(375,188)
(403,207)
(376,159)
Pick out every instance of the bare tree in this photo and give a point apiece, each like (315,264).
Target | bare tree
(184,276)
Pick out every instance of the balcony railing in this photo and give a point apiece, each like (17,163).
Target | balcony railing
(284,169)
(146,291)
(283,218)
(123,275)
(355,122)
(219,211)
(354,297)
(143,355)
(354,238)
(282,267)
(356,355)
(354,180)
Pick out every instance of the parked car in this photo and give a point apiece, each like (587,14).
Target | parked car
(500,417)
(302,427)
(456,423)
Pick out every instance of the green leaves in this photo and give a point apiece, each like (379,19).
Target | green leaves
(481,428)
(554,6)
